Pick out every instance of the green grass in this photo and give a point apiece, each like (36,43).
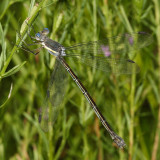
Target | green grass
(131,103)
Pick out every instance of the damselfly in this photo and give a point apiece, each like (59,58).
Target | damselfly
(96,54)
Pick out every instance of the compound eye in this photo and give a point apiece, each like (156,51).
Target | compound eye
(38,35)
(45,31)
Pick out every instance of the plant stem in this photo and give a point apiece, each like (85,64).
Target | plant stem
(24,28)
(157,21)
(132,110)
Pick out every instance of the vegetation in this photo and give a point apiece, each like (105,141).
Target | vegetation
(130,103)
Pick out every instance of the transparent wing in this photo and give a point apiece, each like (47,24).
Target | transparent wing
(117,66)
(55,96)
(117,44)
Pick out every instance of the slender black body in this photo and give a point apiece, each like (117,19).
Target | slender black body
(118,140)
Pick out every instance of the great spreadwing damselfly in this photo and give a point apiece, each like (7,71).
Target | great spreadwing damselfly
(98,54)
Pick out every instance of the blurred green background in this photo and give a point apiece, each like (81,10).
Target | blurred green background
(130,103)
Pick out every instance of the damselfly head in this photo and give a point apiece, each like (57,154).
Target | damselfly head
(40,36)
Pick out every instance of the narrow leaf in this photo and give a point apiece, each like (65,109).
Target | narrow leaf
(9,95)
(13,70)
(3,53)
